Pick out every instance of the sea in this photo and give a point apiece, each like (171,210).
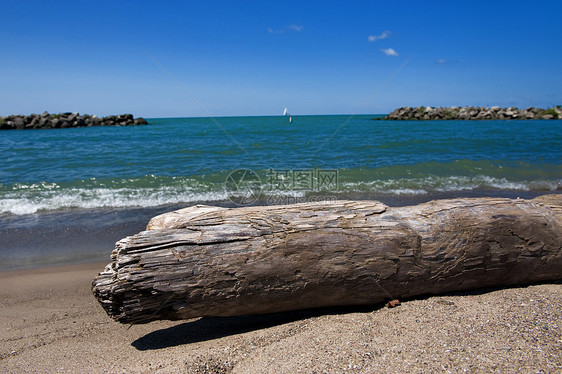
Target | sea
(67,195)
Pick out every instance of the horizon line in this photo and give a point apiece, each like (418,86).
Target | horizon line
(270,115)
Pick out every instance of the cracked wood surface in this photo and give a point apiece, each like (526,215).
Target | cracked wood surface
(211,261)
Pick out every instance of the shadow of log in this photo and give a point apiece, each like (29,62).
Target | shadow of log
(210,328)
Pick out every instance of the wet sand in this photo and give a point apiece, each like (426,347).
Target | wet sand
(50,322)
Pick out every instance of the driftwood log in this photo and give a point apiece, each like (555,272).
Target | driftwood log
(209,261)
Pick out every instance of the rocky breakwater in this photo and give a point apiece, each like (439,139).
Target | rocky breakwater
(66,120)
(472,113)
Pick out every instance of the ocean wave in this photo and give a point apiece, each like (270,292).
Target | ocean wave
(82,198)
(415,186)
(150,191)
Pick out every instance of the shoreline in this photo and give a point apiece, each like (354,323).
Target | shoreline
(84,236)
(52,323)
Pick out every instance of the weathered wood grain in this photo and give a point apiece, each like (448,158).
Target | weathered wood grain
(209,261)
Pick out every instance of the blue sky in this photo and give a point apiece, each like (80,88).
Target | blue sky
(257,57)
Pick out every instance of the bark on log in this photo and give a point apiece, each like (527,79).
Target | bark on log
(208,261)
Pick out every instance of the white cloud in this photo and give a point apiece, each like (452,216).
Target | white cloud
(384,35)
(291,27)
(389,52)
(295,27)
(442,61)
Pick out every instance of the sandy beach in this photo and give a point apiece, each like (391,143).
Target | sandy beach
(51,323)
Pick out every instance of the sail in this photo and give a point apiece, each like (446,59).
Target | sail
(285,112)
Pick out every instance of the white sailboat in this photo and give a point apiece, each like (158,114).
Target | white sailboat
(286,113)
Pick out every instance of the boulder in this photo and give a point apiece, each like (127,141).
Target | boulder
(4,124)
(20,122)
(44,122)
(124,117)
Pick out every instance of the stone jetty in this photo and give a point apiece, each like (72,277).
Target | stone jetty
(66,120)
(472,113)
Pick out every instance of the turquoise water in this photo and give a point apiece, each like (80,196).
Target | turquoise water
(185,160)
(67,195)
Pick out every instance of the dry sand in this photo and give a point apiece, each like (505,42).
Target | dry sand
(50,322)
